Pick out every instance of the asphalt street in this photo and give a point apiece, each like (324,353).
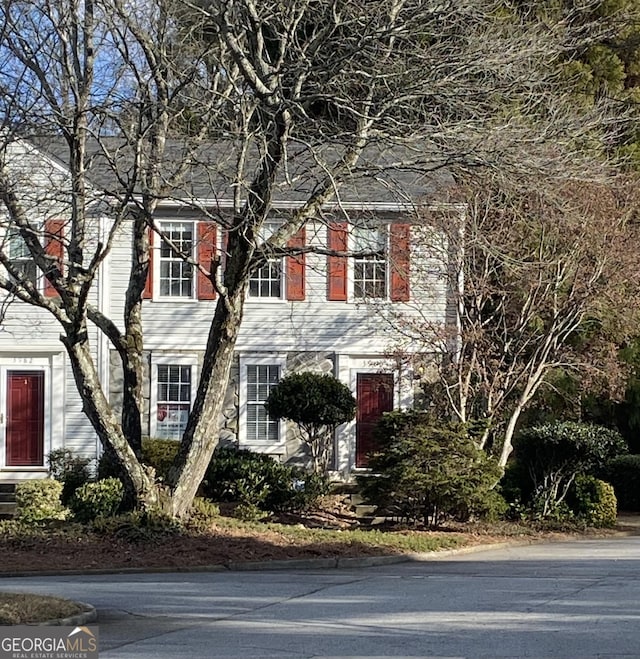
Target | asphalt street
(563,600)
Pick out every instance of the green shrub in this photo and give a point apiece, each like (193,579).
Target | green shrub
(71,470)
(39,500)
(157,453)
(148,526)
(202,515)
(427,470)
(318,403)
(593,501)
(623,472)
(257,479)
(553,455)
(99,499)
(493,506)
(160,454)
(248,512)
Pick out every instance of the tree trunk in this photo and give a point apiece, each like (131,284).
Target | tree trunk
(137,481)
(201,435)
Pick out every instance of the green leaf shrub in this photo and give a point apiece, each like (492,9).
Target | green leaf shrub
(138,526)
(623,472)
(253,478)
(427,471)
(202,515)
(39,500)
(553,454)
(98,499)
(318,403)
(157,453)
(593,501)
(71,470)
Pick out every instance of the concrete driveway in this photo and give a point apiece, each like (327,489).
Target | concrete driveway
(565,600)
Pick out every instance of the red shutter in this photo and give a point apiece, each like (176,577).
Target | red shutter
(400,262)
(337,265)
(147,294)
(296,269)
(206,253)
(54,232)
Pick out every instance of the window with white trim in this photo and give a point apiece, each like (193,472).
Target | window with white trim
(20,257)
(266,282)
(258,375)
(370,271)
(260,380)
(173,399)
(176,275)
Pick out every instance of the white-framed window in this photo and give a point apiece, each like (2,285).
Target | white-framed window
(267,281)
(175,275)
(20,257)
(258,375)
(370,271)
(173,387)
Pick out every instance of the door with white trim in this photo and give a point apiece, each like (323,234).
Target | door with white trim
(24,417)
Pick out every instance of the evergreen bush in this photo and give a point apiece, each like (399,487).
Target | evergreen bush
(156,453)
(427,471)
(593,501)
(39,500)
(98,499)
(257,479)
(71,470)
(553,454)
(318,403)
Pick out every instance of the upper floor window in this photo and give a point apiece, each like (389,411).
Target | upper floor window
(20,257)
(370,269)
(266,282)
(176,274)
(380,268)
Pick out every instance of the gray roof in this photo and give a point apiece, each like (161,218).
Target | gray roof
(384,174)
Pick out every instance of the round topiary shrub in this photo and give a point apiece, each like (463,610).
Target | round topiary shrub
(593,501)
(99,499)
(318,403)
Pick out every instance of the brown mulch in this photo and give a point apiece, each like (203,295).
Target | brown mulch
(219,546)
(223,544)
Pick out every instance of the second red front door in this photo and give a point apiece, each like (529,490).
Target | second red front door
(374,395)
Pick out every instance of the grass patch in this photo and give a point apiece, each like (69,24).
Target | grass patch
(399,541)
(24,608)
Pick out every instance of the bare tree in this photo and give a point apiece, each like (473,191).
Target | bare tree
(302,93)
(548,274)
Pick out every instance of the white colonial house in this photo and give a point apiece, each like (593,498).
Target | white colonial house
(311,312)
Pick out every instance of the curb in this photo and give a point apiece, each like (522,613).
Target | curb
(88,615)
(302,563)
(282,564)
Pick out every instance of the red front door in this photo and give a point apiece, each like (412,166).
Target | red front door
(374,395)
(25,419)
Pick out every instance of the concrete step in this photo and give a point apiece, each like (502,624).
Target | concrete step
(364,510)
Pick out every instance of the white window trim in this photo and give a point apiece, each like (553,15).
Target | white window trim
(40,278)
(272,299)
(351,268)
(264,446)
(168,360)
(157,247)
